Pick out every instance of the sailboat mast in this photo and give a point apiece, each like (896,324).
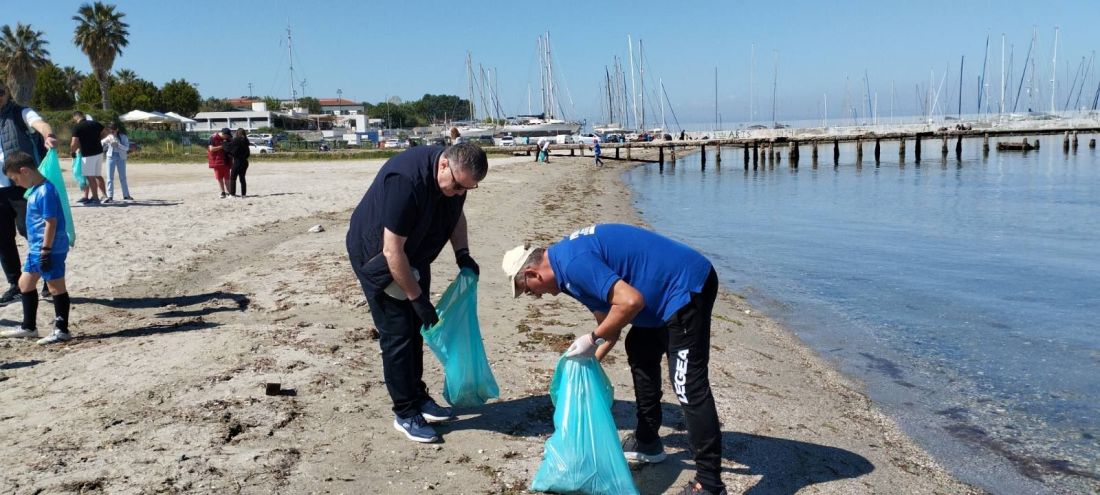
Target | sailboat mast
(1054,69)
(1023,73)
(290,48)
(752,71)
(1002,73)
(641,86)
(633,87)
(470,84)
(610,105)
(775,85)
(981,80)
(961,62)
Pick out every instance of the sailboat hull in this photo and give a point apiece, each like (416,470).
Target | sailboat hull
(538,129)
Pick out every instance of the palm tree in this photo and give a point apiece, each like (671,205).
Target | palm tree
(22,52)
(100,34)
(73,79)
(125,76)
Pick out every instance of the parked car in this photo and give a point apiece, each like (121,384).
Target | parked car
(394,143)
(586,139)
(507,141)
(260,149)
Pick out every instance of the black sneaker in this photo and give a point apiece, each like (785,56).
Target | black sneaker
(636,451)
(435,412)
(695,488)
(416,429)
(9,296)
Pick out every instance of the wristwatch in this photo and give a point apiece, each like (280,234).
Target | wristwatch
(597,340)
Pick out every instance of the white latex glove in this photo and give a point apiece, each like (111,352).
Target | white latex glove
(582,347)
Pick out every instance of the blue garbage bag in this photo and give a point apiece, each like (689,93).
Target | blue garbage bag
(456,342)
(51,168)
(78,172)
(583,455)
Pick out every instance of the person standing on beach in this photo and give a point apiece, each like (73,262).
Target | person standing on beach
(596,151)
(409,213)
(238,151)
(456,137)
(665,290)
(87,136)
(217,159)
(48,245)
(116,144)
(16,122)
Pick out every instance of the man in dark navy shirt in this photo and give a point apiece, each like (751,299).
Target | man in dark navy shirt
(665,290)
(411,211)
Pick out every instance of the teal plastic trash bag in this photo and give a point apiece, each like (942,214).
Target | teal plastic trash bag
(51,168)
(78,172)
(584,454)
(456,342)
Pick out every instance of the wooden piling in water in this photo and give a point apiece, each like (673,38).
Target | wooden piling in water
(717,155)
(836,151)
(746,147)
(661,155)
(1092,143)
(959,146)
(793,153)
(878,145)
(985,143)
(1065,141)
(901,148)
(703,155)
(1074,140)
(813,151)
(916,148)
(859,150)
(943,148)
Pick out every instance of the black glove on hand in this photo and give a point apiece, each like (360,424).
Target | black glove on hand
(44,262)
(425,310)
(464,260)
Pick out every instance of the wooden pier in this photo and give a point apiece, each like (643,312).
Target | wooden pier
(758,151)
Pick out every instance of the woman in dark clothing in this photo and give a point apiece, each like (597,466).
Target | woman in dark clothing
(238,150)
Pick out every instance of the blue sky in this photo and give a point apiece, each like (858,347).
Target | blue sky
(376,50)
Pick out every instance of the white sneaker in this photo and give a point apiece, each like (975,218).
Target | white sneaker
(55,337)
(19,333)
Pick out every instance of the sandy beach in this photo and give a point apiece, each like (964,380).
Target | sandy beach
(185,305)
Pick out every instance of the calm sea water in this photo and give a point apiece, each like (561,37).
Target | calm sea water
(964,292)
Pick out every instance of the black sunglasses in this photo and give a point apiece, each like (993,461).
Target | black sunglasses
(458,185)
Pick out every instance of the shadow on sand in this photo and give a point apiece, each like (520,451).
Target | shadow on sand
(178,304)
(784,466)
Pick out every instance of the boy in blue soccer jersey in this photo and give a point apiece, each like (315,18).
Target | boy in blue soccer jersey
(48,247)
(665,290)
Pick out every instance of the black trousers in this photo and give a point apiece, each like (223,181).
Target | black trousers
(685,338)
(13,213)
(237,172)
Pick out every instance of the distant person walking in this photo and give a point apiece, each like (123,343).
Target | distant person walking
(16,123)
(47,248)
(116,145)
(596,152)
(238,151)
(544,150)
(217,159)
(87,136)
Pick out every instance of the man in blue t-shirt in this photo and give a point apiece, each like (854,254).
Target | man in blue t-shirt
(411,211)
(665,290)
(48,245)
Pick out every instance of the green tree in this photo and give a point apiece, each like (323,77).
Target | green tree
(216,105)
(311,104)
(22,52)
(181,97)
(100,34)
(73,78)
(273,104)
(137,94)
(124,76)
(89,93)
(51,90)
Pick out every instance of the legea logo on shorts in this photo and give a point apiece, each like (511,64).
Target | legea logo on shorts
(680,379)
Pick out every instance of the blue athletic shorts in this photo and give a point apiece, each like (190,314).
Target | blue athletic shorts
(57,270)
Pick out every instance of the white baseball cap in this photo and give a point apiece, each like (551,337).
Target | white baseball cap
(513,262)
